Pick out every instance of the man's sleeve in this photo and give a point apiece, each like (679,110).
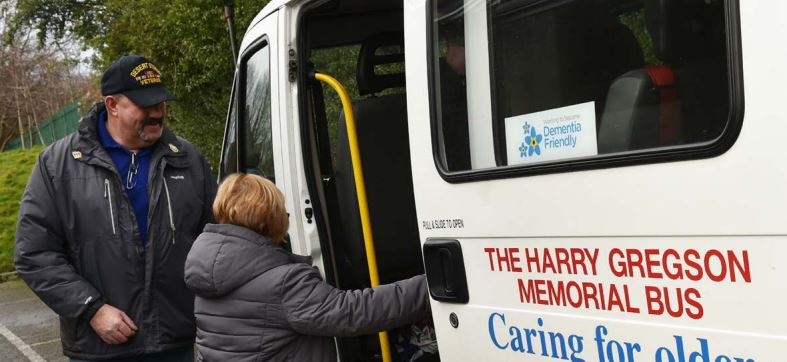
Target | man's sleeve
(314,307)
(40,252)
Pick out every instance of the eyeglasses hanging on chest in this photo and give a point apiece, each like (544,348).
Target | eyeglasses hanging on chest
(131,175)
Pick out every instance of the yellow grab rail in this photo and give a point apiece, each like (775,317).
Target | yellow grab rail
(360,187)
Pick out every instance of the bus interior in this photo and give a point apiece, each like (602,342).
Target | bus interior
(361,43)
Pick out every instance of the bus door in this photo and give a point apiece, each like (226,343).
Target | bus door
(586,186)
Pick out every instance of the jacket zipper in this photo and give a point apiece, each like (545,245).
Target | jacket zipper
(169,208)
(108,196)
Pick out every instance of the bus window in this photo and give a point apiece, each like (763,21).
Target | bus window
(258,157)
(573,80)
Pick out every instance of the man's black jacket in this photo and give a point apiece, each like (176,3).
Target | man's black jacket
(78,245)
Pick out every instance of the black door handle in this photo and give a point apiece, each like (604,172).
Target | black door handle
(445,271)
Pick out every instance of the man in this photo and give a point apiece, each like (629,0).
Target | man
(107,219)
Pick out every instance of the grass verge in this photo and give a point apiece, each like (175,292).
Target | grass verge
(15,169)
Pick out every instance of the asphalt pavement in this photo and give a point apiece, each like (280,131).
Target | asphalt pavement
(29,330)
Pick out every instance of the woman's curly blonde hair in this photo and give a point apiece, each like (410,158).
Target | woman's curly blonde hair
(254,202)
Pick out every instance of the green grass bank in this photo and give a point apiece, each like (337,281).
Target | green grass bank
(15,169)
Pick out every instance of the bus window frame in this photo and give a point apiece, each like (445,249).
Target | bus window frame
(691,151)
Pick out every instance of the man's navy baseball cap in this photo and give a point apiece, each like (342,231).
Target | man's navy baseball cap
(137,78)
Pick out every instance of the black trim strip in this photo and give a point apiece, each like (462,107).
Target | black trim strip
(303,82)
(225,142)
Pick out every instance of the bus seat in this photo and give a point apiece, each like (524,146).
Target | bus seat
(641,111)
(370,82)
(381,123)
(676,102)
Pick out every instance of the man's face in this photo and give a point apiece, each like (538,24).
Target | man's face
(143,126)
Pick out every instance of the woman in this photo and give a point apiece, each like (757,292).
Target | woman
(258,302)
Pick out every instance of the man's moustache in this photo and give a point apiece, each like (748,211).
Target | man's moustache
(151,121)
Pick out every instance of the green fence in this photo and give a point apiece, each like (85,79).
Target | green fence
(61,124)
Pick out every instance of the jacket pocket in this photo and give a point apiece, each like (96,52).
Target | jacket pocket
(182,202)
(108,197)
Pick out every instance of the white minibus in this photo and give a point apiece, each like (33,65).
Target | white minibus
(577,178)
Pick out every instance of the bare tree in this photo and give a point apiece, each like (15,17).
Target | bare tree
(41,79)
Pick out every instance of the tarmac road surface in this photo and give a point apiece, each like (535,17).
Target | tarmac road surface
(29,330)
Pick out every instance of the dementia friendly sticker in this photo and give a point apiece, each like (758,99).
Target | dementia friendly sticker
(554,134)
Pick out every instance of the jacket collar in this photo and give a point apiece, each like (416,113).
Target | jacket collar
(244,233)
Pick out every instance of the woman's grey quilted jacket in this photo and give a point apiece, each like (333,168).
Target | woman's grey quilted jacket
(258,302)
